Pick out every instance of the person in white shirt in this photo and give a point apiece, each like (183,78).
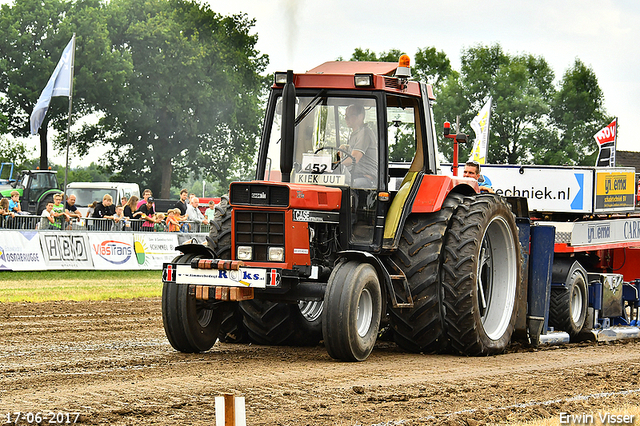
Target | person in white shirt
(47,220)
(194,215)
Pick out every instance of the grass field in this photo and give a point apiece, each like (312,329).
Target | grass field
(45,286)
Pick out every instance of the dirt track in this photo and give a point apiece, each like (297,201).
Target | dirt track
(111,362)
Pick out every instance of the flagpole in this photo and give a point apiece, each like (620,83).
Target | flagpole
(66,167)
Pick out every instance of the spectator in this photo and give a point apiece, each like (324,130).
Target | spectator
(145,196)
(104,210)
(130,213)
(47,221)
(71,209)
(160,226)
(58,212)
(147,212)
(472,170)
(124,201)
(211,211)
(182,204)
(91,208)
(5,213)
(194,215)
(173,220)
(14,203)
(119,219)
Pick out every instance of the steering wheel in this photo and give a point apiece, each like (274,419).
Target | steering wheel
(342,158)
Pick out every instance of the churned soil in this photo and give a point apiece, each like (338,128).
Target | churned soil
(111,362)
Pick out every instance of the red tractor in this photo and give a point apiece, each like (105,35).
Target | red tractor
(348,227)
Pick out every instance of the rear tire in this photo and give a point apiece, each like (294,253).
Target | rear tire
(480,276)
(231,330)
(190,325)
(220,229)
(352,310)
(419,255)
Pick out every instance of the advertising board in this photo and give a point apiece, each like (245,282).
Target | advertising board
(20,251)
(546,188)
(615,190)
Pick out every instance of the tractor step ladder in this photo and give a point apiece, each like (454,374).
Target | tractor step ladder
(399,286)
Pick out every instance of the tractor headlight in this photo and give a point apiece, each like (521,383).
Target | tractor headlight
(244,252)
(276,254)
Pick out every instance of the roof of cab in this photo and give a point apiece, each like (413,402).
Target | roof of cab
(354,67)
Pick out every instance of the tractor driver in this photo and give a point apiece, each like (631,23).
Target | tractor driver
(472,170)
(364,149)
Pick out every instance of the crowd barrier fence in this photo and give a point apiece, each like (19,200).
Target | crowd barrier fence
(25,249)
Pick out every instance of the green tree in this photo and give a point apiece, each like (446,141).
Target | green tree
(193,94)
(522,90)
(577,113)
(14,151)
(36,33)
(360,54)
(432,66)
(35,37)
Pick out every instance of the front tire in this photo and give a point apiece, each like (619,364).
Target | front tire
(352,311)
(190,325)
(481,274)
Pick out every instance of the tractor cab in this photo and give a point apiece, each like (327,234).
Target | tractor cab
(37,188)
(364,133)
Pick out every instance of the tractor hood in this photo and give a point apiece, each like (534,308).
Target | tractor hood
(291,195)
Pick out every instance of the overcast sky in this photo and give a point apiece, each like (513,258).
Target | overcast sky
(604,34)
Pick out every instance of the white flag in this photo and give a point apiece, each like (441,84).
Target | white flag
(480,125)
(59,84)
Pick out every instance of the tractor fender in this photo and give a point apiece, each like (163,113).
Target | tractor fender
(421,193)
(48,192)
(433,189)
(381,270)
(197,249)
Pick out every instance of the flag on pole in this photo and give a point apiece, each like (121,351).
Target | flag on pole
(480,125)
(606,139)
(59,84)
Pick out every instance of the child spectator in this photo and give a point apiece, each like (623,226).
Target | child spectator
(58,212)
(211,211)
(119,219)
(173,220)
(14,204)
(160,226)
(47,221)
(91,208)
(5,213)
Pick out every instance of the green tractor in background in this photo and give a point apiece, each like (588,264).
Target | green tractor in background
(36,187)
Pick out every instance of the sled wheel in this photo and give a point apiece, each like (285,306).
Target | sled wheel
(352,310)
(568,306)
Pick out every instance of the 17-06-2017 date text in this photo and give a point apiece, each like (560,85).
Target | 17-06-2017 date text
(46,417)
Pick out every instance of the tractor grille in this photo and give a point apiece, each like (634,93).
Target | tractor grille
(260,230)
(259,195)
(391,83)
